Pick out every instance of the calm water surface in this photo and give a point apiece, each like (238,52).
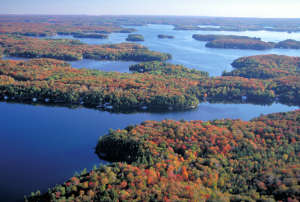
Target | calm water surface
(41,146)
(187,51)
(184,49)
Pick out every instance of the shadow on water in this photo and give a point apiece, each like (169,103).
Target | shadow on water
(44,144)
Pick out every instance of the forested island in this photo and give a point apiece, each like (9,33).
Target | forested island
(66,49)
(155,85)
(265,67)
(243,42)
(221,160)
(212,37)
(90,35)
(42,29)
(252,44)
(53,81)
(288,44)
(237,27)
(163,36)
(162,68)
(48,25)
(135,37)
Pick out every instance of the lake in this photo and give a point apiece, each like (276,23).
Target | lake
(187,51)
(184,49)
(42,145)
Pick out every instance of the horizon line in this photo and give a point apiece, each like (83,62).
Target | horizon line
(147,15)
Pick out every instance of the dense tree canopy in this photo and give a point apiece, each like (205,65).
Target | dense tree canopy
(288,44)
(57,82)
(135,37)
(243,42)
(38,29)
(162,68)
(66,49)
(164,36)
(152,85)
(221,160)
(253,44)
(212,37)
(85,22)
(266,66)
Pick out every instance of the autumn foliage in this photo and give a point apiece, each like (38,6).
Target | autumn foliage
(151,85)
(41,29)
(221,160)
(66,49)
(57,82)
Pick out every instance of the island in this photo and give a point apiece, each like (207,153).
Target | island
(64,27)
(50,81)
(265,66)
(135,37)
(90,35)
(233,42)
(220,160)
(51,25)
(164,68)
(243,42)
(253,44)
(212,37)
(168,160)
(66,49)
(163,36)
(237,25)
(152,85)
(288,44)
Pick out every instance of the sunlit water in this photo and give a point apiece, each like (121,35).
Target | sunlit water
(107,66)
(187,51)
(41,146)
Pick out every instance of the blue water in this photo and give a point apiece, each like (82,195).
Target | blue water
(209,26)
(13,58)
(187,51)
(41,146)
(107,66)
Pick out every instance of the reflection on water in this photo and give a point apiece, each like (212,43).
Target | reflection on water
(41,146)
(187,51)
(107,66)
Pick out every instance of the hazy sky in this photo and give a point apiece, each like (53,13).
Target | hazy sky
(234,8)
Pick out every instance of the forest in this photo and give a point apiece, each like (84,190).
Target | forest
(135,37)
(240,44)
(238,27)
(90,35)
(220,160)
(108,24)
(265,66)
(164,36)
(66,49)
(179,23)
(288,44)
(212,37)
(243,42)
(53,81)
(50,29)
(152,85)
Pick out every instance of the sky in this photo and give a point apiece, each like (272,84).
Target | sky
(227,8)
